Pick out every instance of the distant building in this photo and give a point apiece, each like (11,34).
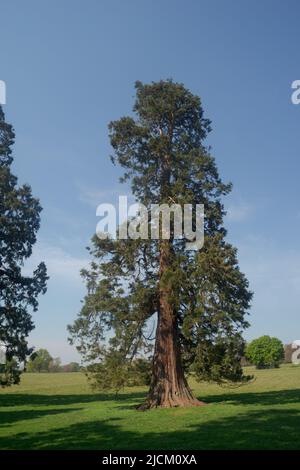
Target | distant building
(290,349)
(2,355)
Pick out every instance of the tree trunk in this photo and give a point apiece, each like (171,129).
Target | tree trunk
(168,387)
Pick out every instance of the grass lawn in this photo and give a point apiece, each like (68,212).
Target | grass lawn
(59,411)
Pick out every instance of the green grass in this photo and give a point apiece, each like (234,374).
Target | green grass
(59,411)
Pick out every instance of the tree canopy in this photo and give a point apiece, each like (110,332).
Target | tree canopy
(19,223)
(265,352)
(197,300)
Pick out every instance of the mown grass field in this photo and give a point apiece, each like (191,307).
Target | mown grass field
(59,411)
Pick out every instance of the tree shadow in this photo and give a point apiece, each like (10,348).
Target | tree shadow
(20,399)
(264,428)
(10,417)
(271,429)
(129,399)
(279,397)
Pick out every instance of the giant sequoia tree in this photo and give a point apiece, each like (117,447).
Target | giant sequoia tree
(19,223)
(198,299)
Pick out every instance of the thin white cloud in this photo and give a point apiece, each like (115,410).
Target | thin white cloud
(93,196)
(61,265)
(238,212)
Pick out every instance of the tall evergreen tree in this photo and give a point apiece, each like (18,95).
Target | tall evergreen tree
(198,298)
(19,223)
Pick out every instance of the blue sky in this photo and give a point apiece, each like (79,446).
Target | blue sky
(70,68)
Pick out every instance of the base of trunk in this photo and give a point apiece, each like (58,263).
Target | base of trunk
(150,404)
(162,398)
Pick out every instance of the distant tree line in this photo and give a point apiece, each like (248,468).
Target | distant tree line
(42,361)
(264,352)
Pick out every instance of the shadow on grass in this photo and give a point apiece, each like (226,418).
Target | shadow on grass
(271,429)
(280,397)
(22,399)
(129,400)
(268,428)
(10,417)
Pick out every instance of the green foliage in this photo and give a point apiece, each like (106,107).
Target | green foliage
(19,223)
(265,352)
(40,361)
(111,373)
(116,373)
(141,372)
(163,155)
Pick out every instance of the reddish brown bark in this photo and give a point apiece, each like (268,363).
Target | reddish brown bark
(169,387)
